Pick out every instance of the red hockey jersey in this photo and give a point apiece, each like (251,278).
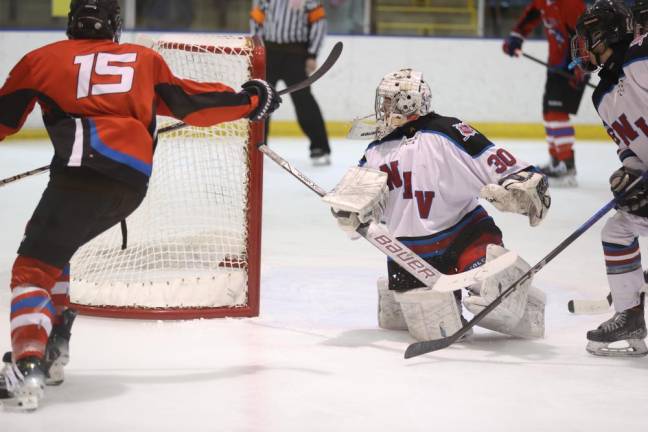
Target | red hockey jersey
(559,18)
(100,99)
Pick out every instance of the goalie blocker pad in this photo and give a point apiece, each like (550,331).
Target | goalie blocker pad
(361,190)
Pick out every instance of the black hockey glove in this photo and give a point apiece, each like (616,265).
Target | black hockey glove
(512,44)
(635,198)
(269,100)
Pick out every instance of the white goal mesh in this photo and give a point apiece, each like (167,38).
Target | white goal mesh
(193,244)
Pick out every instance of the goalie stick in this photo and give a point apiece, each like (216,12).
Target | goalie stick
(424,347)
(379,237)
(332,58)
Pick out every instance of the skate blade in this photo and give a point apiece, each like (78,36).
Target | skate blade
(635,348)
(27,402)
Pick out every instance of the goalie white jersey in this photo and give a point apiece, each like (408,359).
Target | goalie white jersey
(436,166)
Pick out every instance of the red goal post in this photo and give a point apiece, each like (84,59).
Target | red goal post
(194,245)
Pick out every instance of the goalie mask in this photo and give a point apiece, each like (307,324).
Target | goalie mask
(401,97)
(94,19)
(604,24)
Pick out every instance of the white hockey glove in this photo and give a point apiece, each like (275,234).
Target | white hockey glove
(359,198)
(525,192)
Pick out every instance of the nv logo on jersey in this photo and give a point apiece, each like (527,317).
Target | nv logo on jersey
(465,130)
(623,130)
(396,181)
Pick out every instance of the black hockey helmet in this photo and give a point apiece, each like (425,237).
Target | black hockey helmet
(640,16)
(607,23)
(94,19)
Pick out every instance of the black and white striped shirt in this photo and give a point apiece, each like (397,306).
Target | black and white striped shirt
(290,21)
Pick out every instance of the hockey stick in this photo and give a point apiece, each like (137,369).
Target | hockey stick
(20,176)
(558,71)
(424,347)
(591,307)
(379,237)
(319,73)
(333,56)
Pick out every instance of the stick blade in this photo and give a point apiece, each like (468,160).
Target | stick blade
(420,348)
(448,283)
(328,64)
(589,307)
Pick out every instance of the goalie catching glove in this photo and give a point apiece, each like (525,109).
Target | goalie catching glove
(524,192)
(269,100)
(359,198)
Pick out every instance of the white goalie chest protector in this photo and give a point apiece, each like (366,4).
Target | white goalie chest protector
(434,181)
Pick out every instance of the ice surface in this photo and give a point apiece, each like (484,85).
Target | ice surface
(315,360)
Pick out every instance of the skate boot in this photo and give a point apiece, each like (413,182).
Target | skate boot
(320,157)
(6,362)
(561,173)
(57,352)
(23,383)
(628,326)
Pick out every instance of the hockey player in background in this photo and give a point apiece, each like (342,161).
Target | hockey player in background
(604,41)
(99,100)
(562,95)
(434,168)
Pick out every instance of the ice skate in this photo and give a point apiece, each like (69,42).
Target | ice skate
(561,173)
(320,158)
(628,326)
(57,353)
(22,385)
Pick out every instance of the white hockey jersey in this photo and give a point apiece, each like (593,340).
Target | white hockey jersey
(436,166)
(621,99)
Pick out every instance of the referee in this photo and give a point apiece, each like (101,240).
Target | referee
(293,31)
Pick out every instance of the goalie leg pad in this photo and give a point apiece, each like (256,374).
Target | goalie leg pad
(532,323)
(429,315)
(505,317)
(390,314)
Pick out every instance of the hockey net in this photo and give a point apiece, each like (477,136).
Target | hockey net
(194,243)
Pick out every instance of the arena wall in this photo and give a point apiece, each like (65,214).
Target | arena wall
(470,78)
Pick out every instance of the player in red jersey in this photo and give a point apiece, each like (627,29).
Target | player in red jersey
(99,100)
(562,95)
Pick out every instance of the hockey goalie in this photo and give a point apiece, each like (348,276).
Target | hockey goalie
(422,177)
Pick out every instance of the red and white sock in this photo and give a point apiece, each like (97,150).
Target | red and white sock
(560,135)
(61,293)
(32,310)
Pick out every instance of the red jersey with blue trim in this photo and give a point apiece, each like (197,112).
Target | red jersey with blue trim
(559,19)
(100,100)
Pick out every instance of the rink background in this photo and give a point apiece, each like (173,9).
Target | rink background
(315,360)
